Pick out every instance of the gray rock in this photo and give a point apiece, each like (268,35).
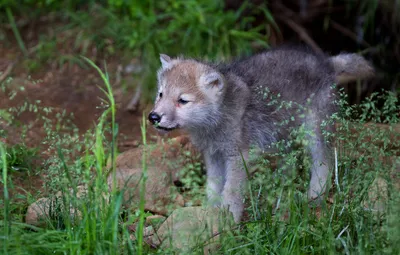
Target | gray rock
(189,227)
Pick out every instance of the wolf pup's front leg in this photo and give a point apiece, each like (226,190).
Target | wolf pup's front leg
(236,179)
(215,165)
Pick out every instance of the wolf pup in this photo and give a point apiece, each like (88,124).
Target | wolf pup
(224,110)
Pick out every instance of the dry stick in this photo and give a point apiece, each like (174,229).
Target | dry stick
(7,72)
(348,33)
(16,31)
(133,104)
(302,33)
(157,236)
(133,144)
(11,66)
(118,76)
(313,11)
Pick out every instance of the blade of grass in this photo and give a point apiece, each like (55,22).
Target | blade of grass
(115,200)
(15,31)
(114,128)
(142,187)
(250,191)
(6,198)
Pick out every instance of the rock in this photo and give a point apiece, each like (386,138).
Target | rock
(164,161)
(155,220)
(377,195)
(38,212)
(159,195)
(378,191)
(81,192)
(48,209)
(147,232)
(190,226)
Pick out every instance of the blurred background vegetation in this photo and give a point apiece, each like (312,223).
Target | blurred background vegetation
(50,31)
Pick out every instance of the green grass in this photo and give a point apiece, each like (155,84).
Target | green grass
(6,227)
(350,223)
(97,226)
(15,31)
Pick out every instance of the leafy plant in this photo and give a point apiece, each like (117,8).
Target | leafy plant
(19,158)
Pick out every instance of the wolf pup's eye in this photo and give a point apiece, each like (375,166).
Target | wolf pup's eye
(181,101)
(160,95)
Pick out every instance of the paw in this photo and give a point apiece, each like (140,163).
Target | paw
(214,201)
(315,198)
(234,203)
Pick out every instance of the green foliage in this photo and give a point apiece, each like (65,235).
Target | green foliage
(144,29)
(193,178)
(147,28)
(19,158)
(80,220)
(22,6)
(5,117)
(280,218)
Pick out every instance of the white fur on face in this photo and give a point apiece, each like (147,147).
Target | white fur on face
(201,86)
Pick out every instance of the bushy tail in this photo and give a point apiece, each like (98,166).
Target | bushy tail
(351,67)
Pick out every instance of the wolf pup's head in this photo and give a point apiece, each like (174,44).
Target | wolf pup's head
(189,95)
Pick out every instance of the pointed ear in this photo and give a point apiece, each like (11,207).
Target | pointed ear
(213,80)
(165,61)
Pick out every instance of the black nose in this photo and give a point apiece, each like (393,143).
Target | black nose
(154,118)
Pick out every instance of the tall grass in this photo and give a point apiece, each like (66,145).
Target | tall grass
(280,220)
(85,218)
(357,217)
(142,188)
(16,32)
(6,226)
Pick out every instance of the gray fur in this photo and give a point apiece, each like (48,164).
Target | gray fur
(242,116)
(350,67)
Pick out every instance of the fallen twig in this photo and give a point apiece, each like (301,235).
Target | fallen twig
(348,33)
(302,33)
(118,76)
(7,72)
(133,144)
(133,104)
